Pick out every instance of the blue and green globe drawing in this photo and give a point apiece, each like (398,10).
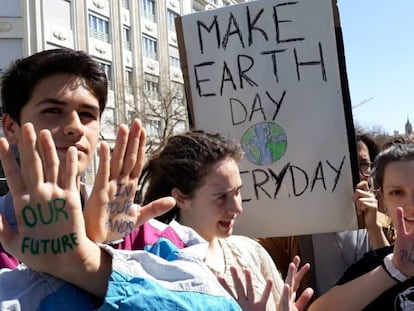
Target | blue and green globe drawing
(264,143)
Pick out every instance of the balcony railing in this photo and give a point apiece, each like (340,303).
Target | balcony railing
(151,54)
(152,95)
(149,16)
(127,45)
(125,4)
(99,35)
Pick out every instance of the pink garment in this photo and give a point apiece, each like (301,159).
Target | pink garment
(7,260)
(147,235)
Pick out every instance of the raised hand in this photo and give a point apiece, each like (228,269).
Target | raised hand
(403,257)
(46,228)
(245,295)
(50,233)
(366,204)
(288,300)
(110,213)
(47,205)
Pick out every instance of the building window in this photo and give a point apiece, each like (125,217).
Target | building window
(98,28)
(150,47)
(171,15)
(151,89)
(125,4)
(127,38)
(129,80)
(174,61)
(177,91)
(57,12)
(153,127)
(148,9)
(108,71)
(132,114)
(174,56)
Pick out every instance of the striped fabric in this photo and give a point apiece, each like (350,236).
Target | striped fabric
(168,275)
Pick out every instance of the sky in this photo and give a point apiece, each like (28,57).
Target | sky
(379,51)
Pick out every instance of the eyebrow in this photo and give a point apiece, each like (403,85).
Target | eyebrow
(228,190)
(55,101)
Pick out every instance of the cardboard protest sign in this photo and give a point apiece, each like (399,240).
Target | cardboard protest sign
(268,74)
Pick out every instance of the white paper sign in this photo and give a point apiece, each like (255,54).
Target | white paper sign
(266,73)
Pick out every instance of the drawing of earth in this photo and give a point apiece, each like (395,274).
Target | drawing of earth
(264,143)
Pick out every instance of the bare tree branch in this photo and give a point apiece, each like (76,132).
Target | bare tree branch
(162,113)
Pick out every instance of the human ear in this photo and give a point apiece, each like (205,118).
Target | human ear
(380,198)
(180,198)
(10,129)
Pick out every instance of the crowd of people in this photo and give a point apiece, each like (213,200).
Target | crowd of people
(158,233)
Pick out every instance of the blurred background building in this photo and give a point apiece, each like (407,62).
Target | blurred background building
(134,41)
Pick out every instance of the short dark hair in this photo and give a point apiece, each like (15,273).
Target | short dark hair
(372,146)
(183,162)
(395,153)
(398,139)
(19,81)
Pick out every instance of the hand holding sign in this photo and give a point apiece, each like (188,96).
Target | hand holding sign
(110,213)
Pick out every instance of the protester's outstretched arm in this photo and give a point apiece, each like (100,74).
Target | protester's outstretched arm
(110,213)
(367,205)
(352,296)
(356,294)
(51,234)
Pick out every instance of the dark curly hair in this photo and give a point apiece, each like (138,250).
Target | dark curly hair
(183,162)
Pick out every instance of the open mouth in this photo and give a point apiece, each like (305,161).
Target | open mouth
(81,148)
(409,219)
(227,224)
